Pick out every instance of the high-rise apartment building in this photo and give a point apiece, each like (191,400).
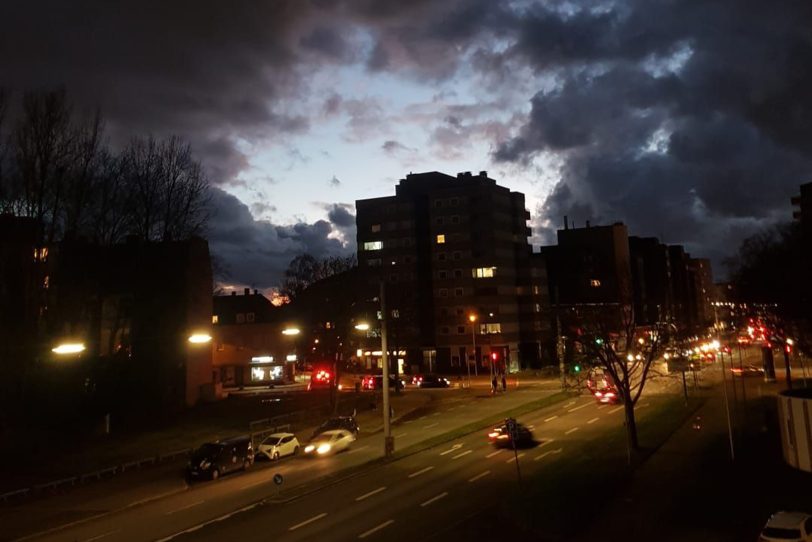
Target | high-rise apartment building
(455,259)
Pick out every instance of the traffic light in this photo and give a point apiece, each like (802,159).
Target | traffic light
(599,341)
(577,368)
(494,356)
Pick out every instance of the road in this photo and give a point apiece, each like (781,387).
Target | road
(412,498)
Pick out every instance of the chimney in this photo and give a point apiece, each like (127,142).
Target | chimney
(256,292)
(483,173)
(247,291)
(566,223)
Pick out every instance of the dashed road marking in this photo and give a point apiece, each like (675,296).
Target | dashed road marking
(434,499)
(452,449)
(480,475)
(615,410)
(371,493)
(551,418)
(191,505)
(593,420)
(545,454)
(573,430)
(579,407)
(421,471)
(429,426)
(490,455)
(308,521)
(514,458)
(99,537)
(383,525)
(463,454)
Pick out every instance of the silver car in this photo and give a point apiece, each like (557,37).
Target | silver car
(279,445)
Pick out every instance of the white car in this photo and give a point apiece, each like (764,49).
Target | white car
(330,442)
(279,445)
(787,527)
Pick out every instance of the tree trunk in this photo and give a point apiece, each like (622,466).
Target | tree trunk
(631,424)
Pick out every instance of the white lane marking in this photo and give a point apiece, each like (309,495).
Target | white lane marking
(579,407)
(218,519)
(434,499)
(452,449)
(134,503)
(546,442)
(102,536)
(408,421)
(545,454)
(421,471)
(308,521)
(480,475)
(436,413)
(463,454)
(569,404)
(490,455)
(429,426)
(615,410)
(401,435)
(602,406)
(184,508)
(371,493)
(593,420)
(383,525)
(551,418)
(514,458)
(358,449)
(573,430)
(421,418)
(531,427)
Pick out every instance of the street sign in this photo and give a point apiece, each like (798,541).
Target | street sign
(277,479)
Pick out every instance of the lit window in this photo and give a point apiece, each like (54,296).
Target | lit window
(215,319)
(46,282)
(484,272)
(486,329)
(395,313)
(595,283)
(257,374)
(249,317)
(440,239)
(373,245)
(537,307)
(40,254)
(376,228)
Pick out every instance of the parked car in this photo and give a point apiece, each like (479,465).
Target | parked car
(787,527)
(747,370)
(375,382)
(214,459)
(500,437)
(338,422)
(278,445)
(330,442)
(431,381)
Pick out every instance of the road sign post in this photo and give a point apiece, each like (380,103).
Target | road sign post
(510,425)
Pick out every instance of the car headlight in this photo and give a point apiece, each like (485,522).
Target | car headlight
(309,448)
(205,464)
(323,449)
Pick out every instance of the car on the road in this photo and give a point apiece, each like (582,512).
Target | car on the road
(320,379)
(278,445)
(214,459)
(338,422)
(602,387)
(787,527)
(430,381)
(329,442)
(747,370)
(500,436)
(375,382)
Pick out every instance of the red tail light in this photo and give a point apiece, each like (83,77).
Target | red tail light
(493,435)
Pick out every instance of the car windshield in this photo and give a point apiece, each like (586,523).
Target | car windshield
(208,450)
(272,441)
(782,533)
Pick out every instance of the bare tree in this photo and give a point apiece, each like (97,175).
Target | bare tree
(305,269)
(607,335)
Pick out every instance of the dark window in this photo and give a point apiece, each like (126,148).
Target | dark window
(442,274)
(455,219)
(441,256)
(457,255)
(458,273)
(444,330)
(460,329)
(249,317)
(457,292)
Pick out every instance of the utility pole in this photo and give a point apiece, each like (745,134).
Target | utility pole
(388,439)
(559,345)
(727,409)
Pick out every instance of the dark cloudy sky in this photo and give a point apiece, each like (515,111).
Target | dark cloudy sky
(690,120)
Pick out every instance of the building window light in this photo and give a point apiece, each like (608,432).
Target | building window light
(484,272)
(441,239)
(487,329)
(215,319)
(595,283)
(41,254)
(373,245)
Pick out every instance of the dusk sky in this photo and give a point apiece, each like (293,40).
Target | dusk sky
(690,120)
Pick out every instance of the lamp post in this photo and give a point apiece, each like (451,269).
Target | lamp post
(472,318)
(388,439)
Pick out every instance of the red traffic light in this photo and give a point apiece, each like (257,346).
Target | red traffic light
(494,356)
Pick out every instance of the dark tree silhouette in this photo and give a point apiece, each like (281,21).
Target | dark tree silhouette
(305,269)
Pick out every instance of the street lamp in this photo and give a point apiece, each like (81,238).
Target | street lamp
(362,326)
(199,338)
(291,331)
(65,349)
(472,319)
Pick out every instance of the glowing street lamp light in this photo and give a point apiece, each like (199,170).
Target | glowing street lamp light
(199,338)
(68,348)
(362,326)
(291,331)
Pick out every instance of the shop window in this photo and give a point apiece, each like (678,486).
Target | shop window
(215,319)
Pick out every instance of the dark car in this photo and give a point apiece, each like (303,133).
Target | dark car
(747,370)
(338,422)
(431,381)
(501,437)
(320,379)
(375,382)
(214,459)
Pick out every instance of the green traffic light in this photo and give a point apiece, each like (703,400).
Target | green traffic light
(577,368)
